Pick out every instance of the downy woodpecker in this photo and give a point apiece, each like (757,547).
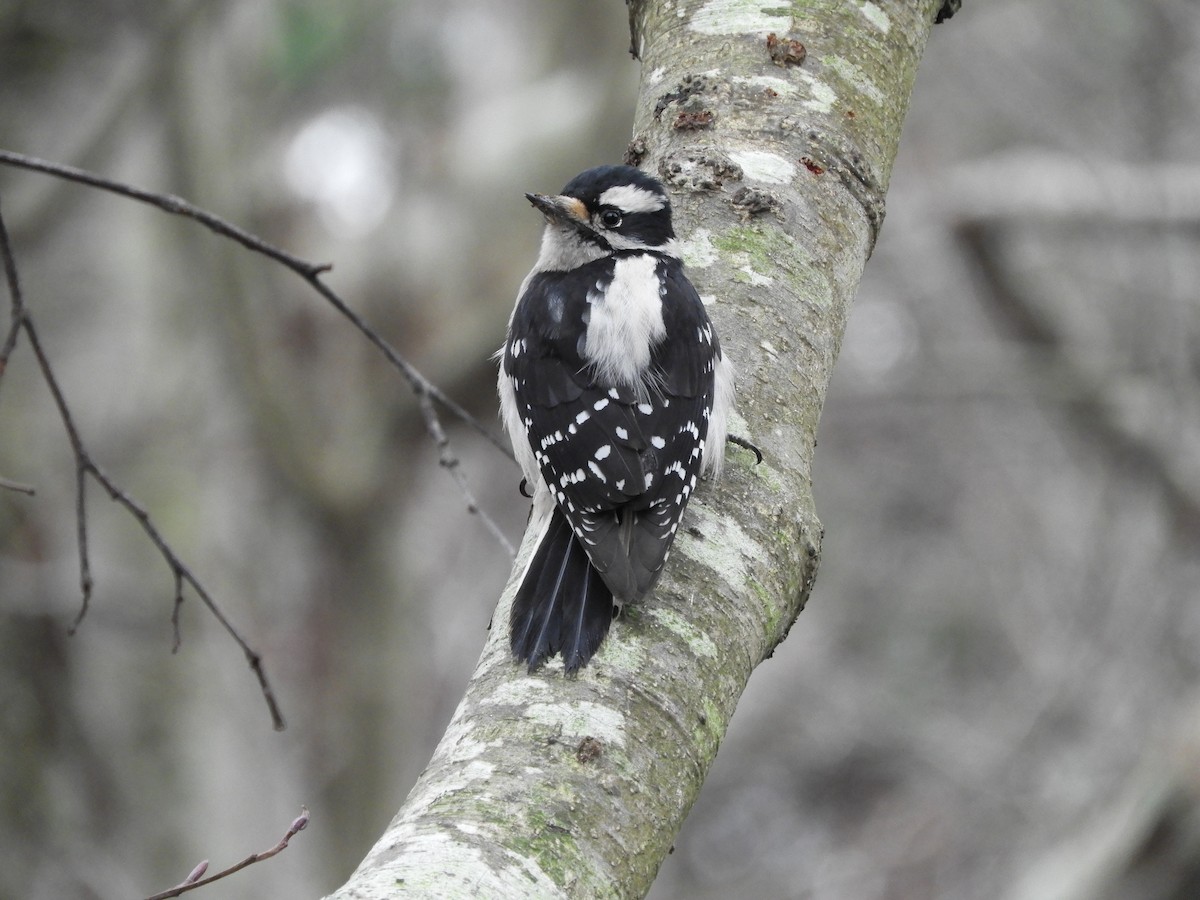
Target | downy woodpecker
(615,394)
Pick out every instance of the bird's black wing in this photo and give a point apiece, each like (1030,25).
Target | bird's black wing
(621,466)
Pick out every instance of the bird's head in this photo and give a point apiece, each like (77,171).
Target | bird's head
(601,211)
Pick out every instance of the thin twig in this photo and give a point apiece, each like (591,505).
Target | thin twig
(18,487)
(176,632)
(81,459)
(311,272)
(194,880)
(450,463)
(17,300)
(85,466)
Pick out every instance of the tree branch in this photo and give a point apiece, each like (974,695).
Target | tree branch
(85,466)
(17,487)
(545,786)
(195,879)
(1077,194)
(311,273)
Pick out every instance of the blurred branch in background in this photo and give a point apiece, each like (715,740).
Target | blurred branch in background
(1030,190)
(9,485)
(86,466)
(311,273)
(1143,845)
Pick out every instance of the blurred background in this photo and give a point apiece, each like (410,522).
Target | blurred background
(993,691)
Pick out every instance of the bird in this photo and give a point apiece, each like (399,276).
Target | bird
(616,395)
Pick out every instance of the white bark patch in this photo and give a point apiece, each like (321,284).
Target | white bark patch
(754,278)
(856,77)
(763,82)
(698,250)
(876,17)
(460,869)
(518,691)
(725,547)
(823,98)
(579,720)
(698,642)
(758,165)
(738,17)
(466,770)
(657,75)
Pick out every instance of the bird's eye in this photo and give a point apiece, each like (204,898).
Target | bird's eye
(610,218)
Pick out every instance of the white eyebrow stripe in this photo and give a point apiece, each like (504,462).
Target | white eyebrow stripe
(632,199)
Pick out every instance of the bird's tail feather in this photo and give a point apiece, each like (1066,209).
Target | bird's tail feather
(563,605)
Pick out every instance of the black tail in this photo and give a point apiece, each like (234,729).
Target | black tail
(563,605)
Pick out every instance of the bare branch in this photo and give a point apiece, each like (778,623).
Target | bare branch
(194,879)
(565,787)
(1091,406)
(17,318)
(18,487)
(311,272)
(85,466)
(450,463)
(1029,186)
(81,534)
(175,611)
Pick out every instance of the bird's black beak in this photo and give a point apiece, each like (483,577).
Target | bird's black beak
(567,211)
